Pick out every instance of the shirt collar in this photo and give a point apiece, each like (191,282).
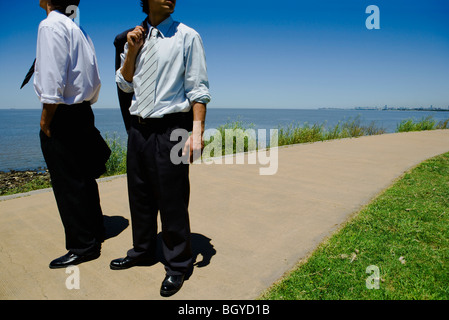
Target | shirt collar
(56,13)
(163,27)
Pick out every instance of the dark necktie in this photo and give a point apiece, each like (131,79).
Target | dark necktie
(29,75)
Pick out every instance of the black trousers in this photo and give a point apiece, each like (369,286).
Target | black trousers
(67,156)
(155,185)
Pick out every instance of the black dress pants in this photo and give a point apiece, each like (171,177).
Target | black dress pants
(155,185)
(67,156)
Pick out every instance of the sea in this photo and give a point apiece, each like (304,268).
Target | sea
(19,128)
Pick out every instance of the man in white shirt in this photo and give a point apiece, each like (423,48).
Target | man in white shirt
(67,82)
(164,64)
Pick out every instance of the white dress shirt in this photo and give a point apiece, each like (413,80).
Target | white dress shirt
(181,72)
(66,70)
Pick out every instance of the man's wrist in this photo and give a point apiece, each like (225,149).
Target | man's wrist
(132,53)
(198,127)
(128,67)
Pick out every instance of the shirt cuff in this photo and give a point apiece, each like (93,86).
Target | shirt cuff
(203,100)
(45,99)
(124,85)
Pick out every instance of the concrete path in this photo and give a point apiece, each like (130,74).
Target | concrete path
(248,229)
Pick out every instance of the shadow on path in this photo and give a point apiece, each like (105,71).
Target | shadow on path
(114,226)
(201,245)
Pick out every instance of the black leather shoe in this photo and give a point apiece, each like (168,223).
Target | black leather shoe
(71,259)
(128,262)
(171,285)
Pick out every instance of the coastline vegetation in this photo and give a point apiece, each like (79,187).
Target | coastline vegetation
(15,182)
(351,128)
(427,123)
(295,133)
(238,129)
(404,233)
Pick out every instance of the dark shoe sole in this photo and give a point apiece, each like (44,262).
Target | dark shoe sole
(169,293)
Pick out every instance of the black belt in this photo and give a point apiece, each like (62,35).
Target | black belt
(181,119)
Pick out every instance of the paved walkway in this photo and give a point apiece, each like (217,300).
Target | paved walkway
(248,229)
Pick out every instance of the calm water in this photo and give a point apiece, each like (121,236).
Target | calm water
(19,129)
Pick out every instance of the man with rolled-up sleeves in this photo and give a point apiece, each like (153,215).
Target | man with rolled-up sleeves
(164,65)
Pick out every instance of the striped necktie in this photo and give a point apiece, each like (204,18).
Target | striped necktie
(148,87)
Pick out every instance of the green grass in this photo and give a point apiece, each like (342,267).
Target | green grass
(404,232)
(36,184)
(427,123)
(116,163)
(238,129)
(294,133)
(351,128)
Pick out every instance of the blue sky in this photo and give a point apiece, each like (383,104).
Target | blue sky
(269,54)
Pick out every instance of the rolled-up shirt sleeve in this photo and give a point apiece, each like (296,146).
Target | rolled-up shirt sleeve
(51,69)
(196,81)
(124,85)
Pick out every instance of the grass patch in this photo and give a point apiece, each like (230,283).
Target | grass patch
(427,123)
(294,133)
(36,183)
(116,164)
(351,128)
(239,138)
(404,232)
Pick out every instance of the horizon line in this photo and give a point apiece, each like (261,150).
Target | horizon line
(386,107)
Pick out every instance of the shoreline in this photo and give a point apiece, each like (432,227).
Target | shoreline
(289,128)
(15,179)
(19,181)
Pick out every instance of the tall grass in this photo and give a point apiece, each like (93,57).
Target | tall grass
(294,133)
(427,123)
(351,128)
(116,164)
(237,132)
